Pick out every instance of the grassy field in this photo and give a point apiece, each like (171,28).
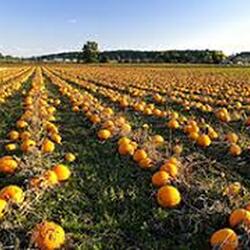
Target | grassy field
(201,115)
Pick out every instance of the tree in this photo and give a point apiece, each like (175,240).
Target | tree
(103,59)
(90,52)
(218,56)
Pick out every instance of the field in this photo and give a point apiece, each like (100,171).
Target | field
(148,157)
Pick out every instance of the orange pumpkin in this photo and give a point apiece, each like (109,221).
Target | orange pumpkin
(12,193)
(203,140)
(62,172)
(48,236)
(3,207)
(104,134)
(170,168)
(69,157)
(160,178)
(126,149)
(232,137)
(139,155)
(50,178)
(8,165)
(145,163)
(168,196)
(235,150)
(28,145)
(13,135)
(173,124)
(239,216)
(224,239)
(48,146)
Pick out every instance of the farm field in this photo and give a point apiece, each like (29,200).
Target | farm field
(106,157)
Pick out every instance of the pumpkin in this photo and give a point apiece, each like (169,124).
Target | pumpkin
(248,207)
(134,144)
(104,134)
(25,135)
(173,124)
(191,128)
(239,216)
(126,149)
(62,172)
(124,139)
(95,119)
(168,196)
(224,239)
(51,128)
(177,149)
(173,160)
(212,134)
(56,138)
(203,140)
(10,147)
(8,165)
(3,206)
(28,145)
(223,115)
(69,157)
(147,111)
(170,168)
(50,178)
(12,193)
(139,155)
(109,124)
(174,115)
(232,189)
(48,146)
(57,102)
(160,178)
(13,135)
(232,137)
(193,136)
(157,97)
(21,124)
(48,236)
(51,110)
(145,163)
(108,111)
(125,129)
(157,140)
(121,120)
(235,150)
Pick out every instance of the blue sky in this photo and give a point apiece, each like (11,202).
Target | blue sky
(34,27)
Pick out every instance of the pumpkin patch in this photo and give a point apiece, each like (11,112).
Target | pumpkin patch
(154,156)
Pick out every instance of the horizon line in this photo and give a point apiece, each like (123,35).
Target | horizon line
(133,49)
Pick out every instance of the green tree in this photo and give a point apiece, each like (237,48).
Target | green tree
(90,52)
(103,59)
(218,56)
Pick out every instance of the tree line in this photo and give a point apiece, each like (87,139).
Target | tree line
(8,58)
(90,54)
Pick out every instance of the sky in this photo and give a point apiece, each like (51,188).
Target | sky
(36,27)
